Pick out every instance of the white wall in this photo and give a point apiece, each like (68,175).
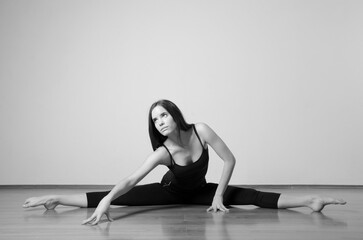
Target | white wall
(280,81)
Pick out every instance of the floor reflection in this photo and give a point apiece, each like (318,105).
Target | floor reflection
(188,221)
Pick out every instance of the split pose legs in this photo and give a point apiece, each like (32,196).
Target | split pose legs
(156,194)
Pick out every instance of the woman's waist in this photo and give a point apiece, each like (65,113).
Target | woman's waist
(183,185)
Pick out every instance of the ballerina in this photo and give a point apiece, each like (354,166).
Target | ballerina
(183,148)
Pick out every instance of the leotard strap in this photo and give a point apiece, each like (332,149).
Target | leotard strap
(171,157)
(196,133)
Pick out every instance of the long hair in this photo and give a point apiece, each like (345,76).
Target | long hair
(156,138)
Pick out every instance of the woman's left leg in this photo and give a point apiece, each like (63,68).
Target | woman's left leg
(236,196)
(52,201)
(247,196)
(315,203)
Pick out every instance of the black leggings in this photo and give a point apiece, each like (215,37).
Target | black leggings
(156,194)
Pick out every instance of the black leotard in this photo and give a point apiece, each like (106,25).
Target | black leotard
(190,177)
(187,185)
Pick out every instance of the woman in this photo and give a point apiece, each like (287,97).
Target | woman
(183,148)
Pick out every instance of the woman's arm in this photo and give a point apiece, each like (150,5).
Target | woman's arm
(222,150)
(160,156)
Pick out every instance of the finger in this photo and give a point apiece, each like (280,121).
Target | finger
(209,209)
(96,221)
(109,217)
(220,209)
(87,221)
(90,219)
(223,208)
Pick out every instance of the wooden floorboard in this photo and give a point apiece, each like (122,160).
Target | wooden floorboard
(182,222)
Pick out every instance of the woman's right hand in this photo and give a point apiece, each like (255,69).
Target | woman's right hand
(102,208)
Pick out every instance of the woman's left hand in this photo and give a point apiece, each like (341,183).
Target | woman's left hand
(217,205)
(102,209)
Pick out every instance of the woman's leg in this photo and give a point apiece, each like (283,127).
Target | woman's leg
(52,201)
(236,196)
(149,194)
(315,203)
(140,195)
(247,196)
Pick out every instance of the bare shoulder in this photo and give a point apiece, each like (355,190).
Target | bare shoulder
(204,131)
(202,128)
(160,156)
(210,137)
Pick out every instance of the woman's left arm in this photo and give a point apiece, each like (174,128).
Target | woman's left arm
(211,138)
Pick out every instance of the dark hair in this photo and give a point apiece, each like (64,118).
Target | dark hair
(156,138)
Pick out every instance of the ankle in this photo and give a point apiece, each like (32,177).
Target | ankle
(52,202)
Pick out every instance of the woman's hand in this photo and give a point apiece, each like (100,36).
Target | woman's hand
(101,209)
(217,204)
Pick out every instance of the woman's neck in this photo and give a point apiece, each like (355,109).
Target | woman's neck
(179,138)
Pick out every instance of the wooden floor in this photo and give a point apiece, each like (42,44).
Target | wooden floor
(183,222)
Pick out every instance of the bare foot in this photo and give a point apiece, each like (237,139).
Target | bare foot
(49,202)
(318,203)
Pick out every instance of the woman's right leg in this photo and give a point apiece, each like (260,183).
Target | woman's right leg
(149,194)
(140,195)
(52,201)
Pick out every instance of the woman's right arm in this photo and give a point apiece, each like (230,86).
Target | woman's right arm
(158,157)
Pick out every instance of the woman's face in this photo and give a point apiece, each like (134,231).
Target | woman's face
(163,121)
